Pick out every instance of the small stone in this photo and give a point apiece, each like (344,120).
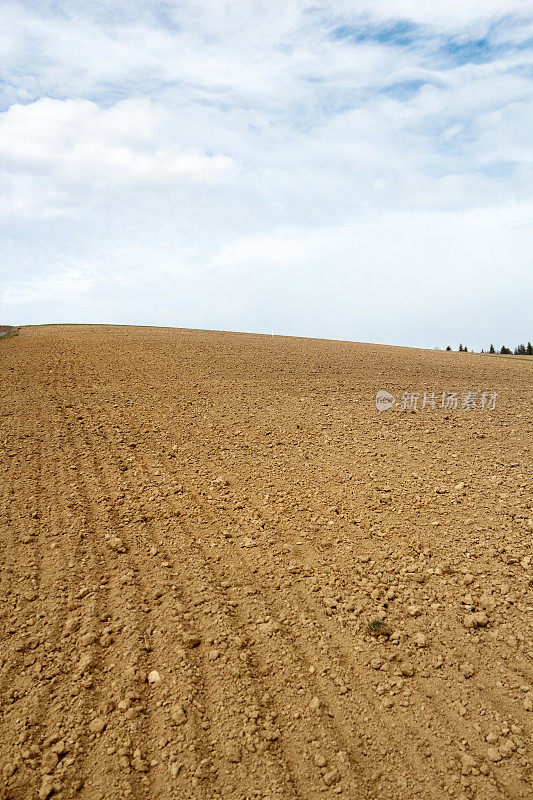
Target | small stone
(320,760)
(9,770)
(116,544)
(407,669)
(177,714)
(97,725)
(331,778)
(420,640)
(86,662)
(527,702)
(48,787)
(467,763)
(314,705)
(233,752)
(60,747)
(50,760)
(130,673)
(467,670)
(71,625)
(477,620)
(191,640)
(174,769)
(493,754)
(154,677)
(507,749)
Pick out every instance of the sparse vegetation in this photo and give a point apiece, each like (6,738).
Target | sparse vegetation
(11,331)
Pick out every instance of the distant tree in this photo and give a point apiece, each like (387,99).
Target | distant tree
(448,348)
(465,349)
(505,351)
(520,350)
(460,347)
(529,349)
(491,349)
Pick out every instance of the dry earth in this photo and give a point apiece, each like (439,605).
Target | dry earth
(197,529)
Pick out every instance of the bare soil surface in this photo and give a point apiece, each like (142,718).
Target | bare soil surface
(225,574)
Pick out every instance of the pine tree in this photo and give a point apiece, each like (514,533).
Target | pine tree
(460,347)
(492,350)
(529,349)
(448,348)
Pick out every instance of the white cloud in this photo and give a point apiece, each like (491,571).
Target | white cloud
(59,155)
(453,15)
(218,147)
(65,285)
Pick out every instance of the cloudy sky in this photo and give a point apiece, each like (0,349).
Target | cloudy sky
(356,169)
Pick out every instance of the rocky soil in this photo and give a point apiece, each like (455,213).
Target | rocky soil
(227,576)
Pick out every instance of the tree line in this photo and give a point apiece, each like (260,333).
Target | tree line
(521,350)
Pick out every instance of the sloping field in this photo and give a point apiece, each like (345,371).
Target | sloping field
(227,575)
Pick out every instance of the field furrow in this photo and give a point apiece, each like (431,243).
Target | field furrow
(227,576)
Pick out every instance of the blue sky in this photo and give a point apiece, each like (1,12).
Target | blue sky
(341,170)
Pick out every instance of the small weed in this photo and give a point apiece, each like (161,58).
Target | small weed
(378,628)
(374,626)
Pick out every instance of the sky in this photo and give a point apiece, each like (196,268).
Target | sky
(357,170)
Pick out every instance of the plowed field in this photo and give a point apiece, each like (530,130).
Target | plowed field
(226,575)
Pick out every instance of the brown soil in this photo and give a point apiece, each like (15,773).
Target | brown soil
(197,530)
